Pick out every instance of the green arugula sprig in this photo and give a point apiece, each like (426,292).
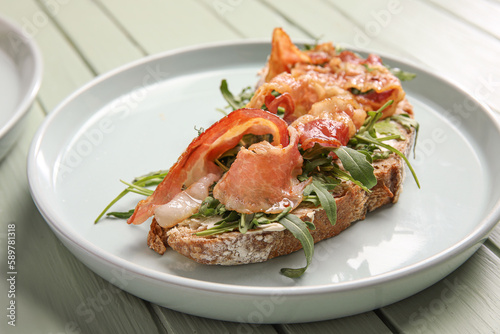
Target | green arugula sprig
(322,187)
(139,186)
(358,166)
(234,101)
(408,123)
(300,230)
(232,220)
(397,72)
(367,135)
(401,74)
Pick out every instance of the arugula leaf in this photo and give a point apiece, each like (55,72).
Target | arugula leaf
(209,207)
(121,215)
(341,174)
(325,198)
(386,127)
(310,165)
(141,190)
(402,75)
(408,123)
(371,140)
(138,186)
(238,101)
(199,130)
(220,227)
(246,222)
(368,68)
(228,96)
(356,91)
(372,119)
(281,215)
(300,231)
(367,135)
(308,47)
(357,165)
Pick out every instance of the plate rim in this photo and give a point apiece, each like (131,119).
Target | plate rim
(475,237)
(23,106)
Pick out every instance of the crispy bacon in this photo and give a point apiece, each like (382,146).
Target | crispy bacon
(285,101)
(373,82)
(303,92)
(329,123)
(340,108)
(263,178)
(323,131)
(198,159)
(284,54)
(328,74)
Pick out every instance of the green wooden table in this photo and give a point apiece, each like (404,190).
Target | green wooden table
(81,39)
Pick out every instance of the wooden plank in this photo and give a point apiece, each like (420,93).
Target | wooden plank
(495,237)
(180,323)
(157,27)
(481,13)
(102,44)
(64,70)
(435,39)
(252,19)
(467,301)
(324,21)
(362,323)
(54,291)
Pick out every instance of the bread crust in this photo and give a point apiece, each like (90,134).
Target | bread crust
(234,248)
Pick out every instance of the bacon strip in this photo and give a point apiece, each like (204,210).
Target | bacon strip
(369,76)
(263,178)
(285,101)
(323,131)
(283,55)
(330,122)
(318,70)
(198,159)
(303,94)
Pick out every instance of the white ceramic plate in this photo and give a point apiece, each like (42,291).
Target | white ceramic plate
(140,117)
(20,77)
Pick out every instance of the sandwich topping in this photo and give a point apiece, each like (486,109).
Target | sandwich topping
(199,158)
(313,121)
(272,186)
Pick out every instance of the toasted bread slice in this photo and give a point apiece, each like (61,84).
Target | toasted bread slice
(233,248)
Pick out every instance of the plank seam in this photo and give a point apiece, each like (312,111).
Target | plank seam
(280,329)
(387,322)
(344,14)
(66,36)
(354,21)
(226,23)
(458,18)
(156,318)
(120,26)
(493,247)
(39,101)
(288,19)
